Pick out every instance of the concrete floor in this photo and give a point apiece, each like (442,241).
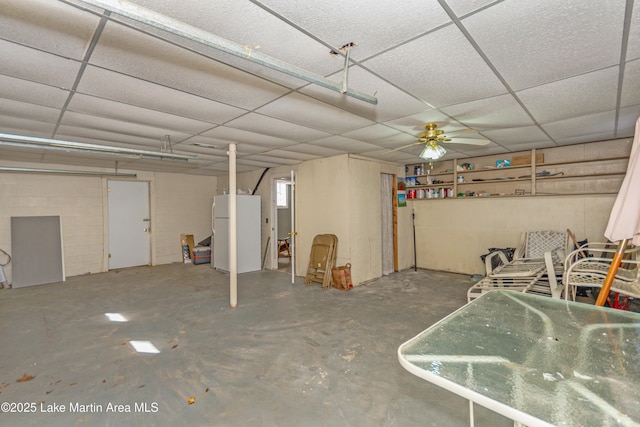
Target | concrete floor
(288,355)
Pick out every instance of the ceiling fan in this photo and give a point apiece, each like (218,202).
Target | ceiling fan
(432,137)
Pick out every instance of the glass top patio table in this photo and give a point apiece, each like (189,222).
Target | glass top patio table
(537,360)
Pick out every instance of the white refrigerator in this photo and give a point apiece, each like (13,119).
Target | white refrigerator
(249,237)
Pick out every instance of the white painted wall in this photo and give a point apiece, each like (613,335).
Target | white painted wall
(451,234)
(323,207)
(179,204)
(337,195)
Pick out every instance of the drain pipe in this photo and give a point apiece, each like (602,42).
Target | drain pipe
(259,181)
(233,229)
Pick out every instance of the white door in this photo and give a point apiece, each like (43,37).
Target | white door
(129,224)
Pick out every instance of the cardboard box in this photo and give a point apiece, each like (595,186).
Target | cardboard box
(526,160)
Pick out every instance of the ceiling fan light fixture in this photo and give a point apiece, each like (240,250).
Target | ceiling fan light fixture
(432,151)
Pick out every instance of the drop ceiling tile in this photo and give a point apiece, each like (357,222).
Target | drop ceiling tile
(515,136)
(633,46)
(120,127)
(490,113)
(288,154)
(265,125)
(631,84)
(221,144)
(464,7)
(314,150)
(106,137)
(531,43)
(377,134)
(345,145)
(268,34)
(20,126)
(33,93)
(241,136)
(582,95)
(452,72)
(317,115)
(49,26)
(37,66)
(132,53)
(129,90)
(27,111)
(373,26)
(393,102)
(594,127)
(90,105)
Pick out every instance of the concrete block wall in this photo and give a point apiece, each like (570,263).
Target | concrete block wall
(179,204)
(77,200)
(451,234)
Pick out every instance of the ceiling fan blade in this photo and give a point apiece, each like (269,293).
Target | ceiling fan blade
(404,146)
(468,141)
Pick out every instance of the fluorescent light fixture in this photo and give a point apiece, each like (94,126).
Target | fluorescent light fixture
(65,172)
(173,26)
(432,151)
(22,141)
(116,317)
(144,347)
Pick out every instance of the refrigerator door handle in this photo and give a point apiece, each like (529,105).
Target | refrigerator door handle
(213,206)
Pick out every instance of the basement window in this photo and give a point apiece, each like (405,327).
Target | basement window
(282,194)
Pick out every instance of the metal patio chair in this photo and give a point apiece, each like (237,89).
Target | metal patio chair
(536,266)
(588,266)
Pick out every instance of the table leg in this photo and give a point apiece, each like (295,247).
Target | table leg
(471,418)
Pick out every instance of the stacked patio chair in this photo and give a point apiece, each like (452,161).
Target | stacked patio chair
(587,267)
(535,268)
(322,260)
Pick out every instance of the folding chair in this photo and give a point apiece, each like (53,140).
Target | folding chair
(322,260)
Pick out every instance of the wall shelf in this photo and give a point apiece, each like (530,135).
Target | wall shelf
(574,170)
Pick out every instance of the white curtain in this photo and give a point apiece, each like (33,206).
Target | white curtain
(386,199)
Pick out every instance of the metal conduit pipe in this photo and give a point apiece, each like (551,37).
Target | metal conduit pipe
(65,172)
(23,141)
(173,26)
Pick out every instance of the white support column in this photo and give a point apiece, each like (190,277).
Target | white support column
(233,229)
